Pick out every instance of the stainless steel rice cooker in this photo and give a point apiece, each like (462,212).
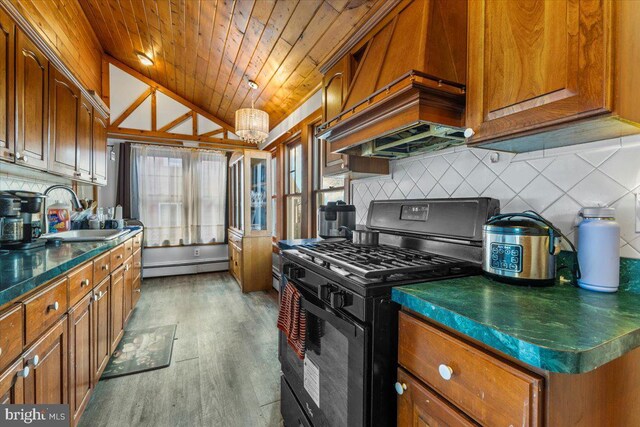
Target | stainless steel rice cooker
(336,219)
(520,248)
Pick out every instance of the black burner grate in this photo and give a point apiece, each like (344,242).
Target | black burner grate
(379,261)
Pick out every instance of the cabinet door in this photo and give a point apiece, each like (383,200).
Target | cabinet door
(7,50)
(83,146)
(101,327)
(128,288)
(117,307)
(99,149)
(47,360)
(334,89)
(80,356)
(32,95)
(12,384)
(536,64)
(420,406)
(64,101)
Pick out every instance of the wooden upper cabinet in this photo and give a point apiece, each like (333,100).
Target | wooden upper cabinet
(536,65)
(99,149)
(64,102)
(84,140)
(7,49)
(32,83)
(335,84)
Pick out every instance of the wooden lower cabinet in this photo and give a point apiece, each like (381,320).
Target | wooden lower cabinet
(81,349)
(52,354)
(117,306)
(101,327)
(47,362)
(420,406)
(447,379)
(12,383)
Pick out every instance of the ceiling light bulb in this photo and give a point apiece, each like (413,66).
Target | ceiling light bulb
(144,59)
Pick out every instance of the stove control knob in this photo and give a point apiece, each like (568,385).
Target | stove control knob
(337,299)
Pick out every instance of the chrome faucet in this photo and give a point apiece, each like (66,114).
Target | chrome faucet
(75,202)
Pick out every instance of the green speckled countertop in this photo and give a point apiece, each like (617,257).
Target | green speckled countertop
(559,328)
(23,271)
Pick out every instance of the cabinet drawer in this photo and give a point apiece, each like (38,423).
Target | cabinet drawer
(235,239)
(491,391)
(418,405)
(80,283)
(11,334)
(137,241)
(45,308)
(128,248)
(101,267)
(117,257)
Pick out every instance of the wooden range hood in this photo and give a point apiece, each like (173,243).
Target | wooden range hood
(404,84)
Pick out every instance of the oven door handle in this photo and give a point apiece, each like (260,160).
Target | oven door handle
(332,317)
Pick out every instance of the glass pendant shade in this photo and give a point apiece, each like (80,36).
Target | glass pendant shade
(252,125)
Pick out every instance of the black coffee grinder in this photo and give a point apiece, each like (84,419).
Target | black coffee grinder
(31,205)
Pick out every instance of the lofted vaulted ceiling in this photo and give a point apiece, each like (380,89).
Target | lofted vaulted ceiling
(205,50)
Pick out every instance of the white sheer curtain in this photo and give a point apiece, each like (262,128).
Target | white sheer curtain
(179,194)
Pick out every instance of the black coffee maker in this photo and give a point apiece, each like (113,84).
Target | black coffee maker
(31,205)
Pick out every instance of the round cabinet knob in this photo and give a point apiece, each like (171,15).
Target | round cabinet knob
(126,267)
(468,133)
(84,283)
(105,267)
(95,298)
(400,388)
(55,306)
(77,174)
(100,294)
(138,290)
(34,362)
(445,372)
(24,373)
(0,351)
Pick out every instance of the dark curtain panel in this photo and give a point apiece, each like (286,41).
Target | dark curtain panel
(123,194)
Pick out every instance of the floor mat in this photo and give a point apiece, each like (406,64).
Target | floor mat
(141,350)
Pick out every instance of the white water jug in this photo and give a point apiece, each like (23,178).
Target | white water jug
(599,249)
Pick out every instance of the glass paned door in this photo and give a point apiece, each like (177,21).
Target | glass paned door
(258,194)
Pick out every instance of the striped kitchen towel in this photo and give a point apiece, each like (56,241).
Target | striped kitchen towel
(292,319)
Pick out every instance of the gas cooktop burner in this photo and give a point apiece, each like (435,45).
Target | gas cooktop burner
(379,261)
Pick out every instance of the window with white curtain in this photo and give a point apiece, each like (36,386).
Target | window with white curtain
(179,194)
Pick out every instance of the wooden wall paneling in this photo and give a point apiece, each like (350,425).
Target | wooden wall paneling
(67,31)
(203,51)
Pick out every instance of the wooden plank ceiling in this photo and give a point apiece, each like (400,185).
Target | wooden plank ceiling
(205,50)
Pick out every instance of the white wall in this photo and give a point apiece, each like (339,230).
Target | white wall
(556,183)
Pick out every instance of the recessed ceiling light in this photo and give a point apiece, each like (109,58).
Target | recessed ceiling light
(144,59)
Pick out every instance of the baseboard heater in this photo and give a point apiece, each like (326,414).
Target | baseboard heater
(172,268)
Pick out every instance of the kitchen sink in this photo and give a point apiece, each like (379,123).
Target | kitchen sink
(86,235)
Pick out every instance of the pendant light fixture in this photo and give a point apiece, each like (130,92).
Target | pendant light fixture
(252,125)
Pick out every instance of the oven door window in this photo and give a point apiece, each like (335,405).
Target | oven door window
(330,383)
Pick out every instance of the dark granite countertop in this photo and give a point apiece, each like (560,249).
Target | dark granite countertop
(559,328)
(23,271)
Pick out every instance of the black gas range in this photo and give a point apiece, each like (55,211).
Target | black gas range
(347,376)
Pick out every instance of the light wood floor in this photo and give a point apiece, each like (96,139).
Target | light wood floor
(224,370)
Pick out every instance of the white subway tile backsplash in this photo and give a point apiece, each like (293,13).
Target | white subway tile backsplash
(556,183)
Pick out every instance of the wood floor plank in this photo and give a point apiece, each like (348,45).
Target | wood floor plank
(224,369)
